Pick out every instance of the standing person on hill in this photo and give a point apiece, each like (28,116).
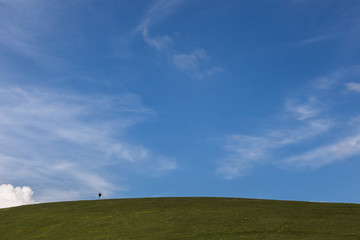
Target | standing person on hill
(99,195)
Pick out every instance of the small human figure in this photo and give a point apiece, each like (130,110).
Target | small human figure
(99,195)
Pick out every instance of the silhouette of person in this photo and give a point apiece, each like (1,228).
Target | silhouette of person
(99,195)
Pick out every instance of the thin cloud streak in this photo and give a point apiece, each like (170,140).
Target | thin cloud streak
(158,11)
(303,111)
(316,39)
(22,26)
(343,26)
(352,86)
(158,42)
(59,139)
(338,151)
(245,152)
(191,63)
(336,78)
(306,119)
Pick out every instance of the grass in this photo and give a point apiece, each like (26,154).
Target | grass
(181,218)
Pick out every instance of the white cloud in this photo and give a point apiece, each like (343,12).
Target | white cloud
(159,10)
(312,112)
(303,111)
(324,155)
(23,24)
(159,42)
(336,78)
(64,142)
(245,152)
(189,62)
(344,26)
(353,87)
(11,197)
(192,63)
(316,39)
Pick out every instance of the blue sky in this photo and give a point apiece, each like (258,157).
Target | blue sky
(255,99)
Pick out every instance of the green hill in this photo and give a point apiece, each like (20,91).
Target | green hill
(181,218)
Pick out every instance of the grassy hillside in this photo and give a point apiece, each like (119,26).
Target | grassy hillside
(181,218)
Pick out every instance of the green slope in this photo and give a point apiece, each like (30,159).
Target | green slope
(181,218)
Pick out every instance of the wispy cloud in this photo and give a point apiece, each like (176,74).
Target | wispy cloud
(303,110)
(64,141)
(22,24)
(193,63)
(158,11)
(342,26)
(352,86)
(304,119)
(189,62)
(316,39)
(324,155)
(337,78)
(245,152)
(158,42)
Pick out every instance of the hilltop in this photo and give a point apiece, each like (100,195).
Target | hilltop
(181,218)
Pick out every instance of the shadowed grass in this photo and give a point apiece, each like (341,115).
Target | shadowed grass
(181,218)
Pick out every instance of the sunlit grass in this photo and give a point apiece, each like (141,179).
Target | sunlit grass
(181,218)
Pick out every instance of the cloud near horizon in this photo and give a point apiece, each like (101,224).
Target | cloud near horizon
(62,142)
(11,196)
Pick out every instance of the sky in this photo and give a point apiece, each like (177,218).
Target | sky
(166,98)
